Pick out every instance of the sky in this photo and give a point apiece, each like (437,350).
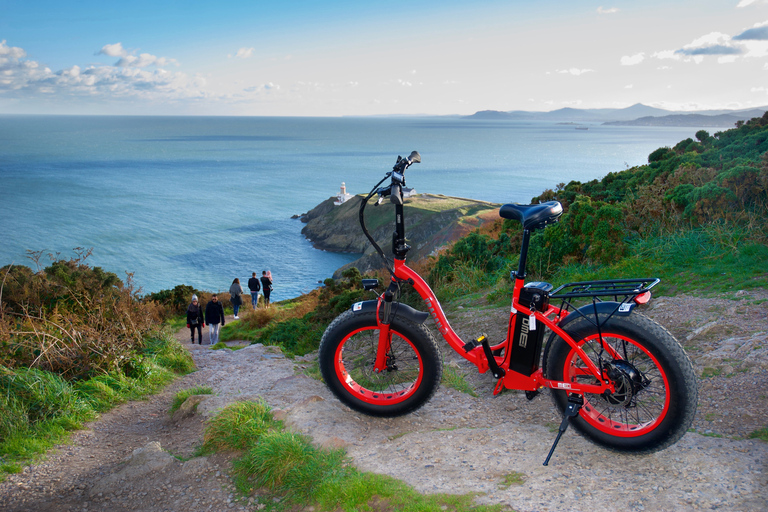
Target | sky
(379,57)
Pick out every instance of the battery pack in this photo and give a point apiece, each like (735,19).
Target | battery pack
(526,346)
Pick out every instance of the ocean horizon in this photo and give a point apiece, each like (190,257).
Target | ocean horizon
(202,200)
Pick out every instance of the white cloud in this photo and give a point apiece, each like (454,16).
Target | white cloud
(610,10)
(113,50)
(144,60)
(745,3)
(28,78)
(10,52)
(244,53)
(714,44)
(633,59)
(629,86)
(666,54)
(574,71)
(15,73)
(262,88)
(759,32)
(129,60)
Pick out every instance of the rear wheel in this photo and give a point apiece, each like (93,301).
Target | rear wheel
(348,353)
(656,393)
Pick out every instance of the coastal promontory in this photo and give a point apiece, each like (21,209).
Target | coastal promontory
(431,222)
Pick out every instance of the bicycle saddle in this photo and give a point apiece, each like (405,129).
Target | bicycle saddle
(533,216)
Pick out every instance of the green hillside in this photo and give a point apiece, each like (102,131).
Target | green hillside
(694,215)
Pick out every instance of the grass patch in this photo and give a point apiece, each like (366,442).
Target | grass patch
(182,395)
(312,370)
(39,409)
(514,478)
(220,345)
(761,434)
(709,371)
(456,379)
(293,472)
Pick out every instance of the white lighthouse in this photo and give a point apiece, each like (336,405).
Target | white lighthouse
(343,196)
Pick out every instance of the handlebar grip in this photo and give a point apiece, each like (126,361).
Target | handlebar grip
(403,163)
(396,194)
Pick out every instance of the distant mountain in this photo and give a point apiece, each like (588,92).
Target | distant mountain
(692,120)
(636,115)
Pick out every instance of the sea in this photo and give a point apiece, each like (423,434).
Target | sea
(203,200)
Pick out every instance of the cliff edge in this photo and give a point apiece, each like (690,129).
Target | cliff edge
(432,221)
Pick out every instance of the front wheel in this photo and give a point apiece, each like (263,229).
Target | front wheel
(347,355)
(656,393)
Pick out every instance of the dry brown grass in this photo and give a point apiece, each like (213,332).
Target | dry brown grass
(294,309)
(71,319)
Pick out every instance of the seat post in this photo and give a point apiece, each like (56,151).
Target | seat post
(523,254)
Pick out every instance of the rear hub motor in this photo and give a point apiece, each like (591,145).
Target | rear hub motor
(628,381)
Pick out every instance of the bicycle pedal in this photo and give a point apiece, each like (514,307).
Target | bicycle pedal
(530,395)
(471,345)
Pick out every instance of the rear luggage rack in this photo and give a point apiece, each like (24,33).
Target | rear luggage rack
(616,288)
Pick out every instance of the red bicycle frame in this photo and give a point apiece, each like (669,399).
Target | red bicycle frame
(511,379)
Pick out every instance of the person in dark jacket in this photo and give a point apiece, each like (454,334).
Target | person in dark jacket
(255,287)
(214,314)
(235,292)
(266,286)
(195,320)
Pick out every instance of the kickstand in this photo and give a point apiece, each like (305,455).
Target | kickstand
(574,404)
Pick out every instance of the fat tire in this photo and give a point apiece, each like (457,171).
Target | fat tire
(671,360)
(415,339)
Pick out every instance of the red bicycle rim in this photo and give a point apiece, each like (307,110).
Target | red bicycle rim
(647,408)
(395,395)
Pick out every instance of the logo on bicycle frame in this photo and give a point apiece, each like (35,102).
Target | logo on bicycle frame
(524,333)
(433,312)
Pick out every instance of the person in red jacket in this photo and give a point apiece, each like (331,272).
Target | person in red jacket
(195,320)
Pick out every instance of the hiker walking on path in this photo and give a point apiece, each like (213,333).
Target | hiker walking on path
(235,292)
(266,285)
(214,313)
(195,320)
(255,286)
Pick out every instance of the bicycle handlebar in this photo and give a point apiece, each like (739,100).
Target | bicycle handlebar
(394,190)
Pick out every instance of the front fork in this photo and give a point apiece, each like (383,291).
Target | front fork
(383,319)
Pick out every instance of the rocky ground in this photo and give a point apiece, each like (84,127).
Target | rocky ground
(136,457)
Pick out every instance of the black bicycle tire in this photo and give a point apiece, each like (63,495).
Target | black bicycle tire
(669,353)
(420,338)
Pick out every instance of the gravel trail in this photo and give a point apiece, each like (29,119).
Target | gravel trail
(454,444)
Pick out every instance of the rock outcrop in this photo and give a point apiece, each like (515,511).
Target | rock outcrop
(431,223)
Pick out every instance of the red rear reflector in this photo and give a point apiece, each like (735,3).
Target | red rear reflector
(643,298)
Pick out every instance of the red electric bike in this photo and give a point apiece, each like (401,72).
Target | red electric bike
(620,378)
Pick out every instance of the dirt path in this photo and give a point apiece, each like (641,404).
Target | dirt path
(455,444)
